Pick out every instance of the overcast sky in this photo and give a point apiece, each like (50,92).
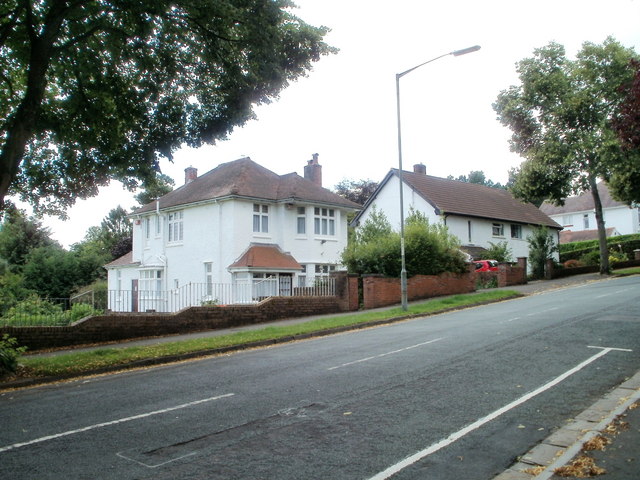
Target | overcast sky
(345,109)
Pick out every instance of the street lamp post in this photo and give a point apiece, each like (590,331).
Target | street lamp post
(403,271)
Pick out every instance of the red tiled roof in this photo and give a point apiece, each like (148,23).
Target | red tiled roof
(126,259)
(582,202)
(452,197)
(245,178)
(266,256)
(568,236)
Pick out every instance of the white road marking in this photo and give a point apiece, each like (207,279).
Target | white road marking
(113,422)
(531,314)
(384,354)
(392,470)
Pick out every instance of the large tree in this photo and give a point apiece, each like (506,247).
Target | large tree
(98,90)
(561,118)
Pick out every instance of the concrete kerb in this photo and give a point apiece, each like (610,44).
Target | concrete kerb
(563,445)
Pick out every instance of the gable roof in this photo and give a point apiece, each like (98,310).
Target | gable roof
(245,178)
(123,261)
(453,197)
(266,256)
(568,236)
(582,202)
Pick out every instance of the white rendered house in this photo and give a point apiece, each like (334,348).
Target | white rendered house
(578,215)
(477,215)
(238,233)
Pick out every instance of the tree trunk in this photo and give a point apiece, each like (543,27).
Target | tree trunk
(602,234)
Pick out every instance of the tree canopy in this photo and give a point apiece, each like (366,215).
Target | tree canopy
(357,191)
(99,90)
(561,117)
(477,177)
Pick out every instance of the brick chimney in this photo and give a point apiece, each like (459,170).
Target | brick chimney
(420,168)
(313,170)
(190,174)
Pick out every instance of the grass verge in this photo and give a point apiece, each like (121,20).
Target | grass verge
(70,364)
(627,271)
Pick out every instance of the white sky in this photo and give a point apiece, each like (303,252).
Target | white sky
(345,110)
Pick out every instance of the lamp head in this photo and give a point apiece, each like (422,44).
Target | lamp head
(464,51)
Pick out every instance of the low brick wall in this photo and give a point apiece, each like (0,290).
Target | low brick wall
(125,326)
(509,274)
(381,291)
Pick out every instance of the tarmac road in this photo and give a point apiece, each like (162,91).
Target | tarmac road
(463,394)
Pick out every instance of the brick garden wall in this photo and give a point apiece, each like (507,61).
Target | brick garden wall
(381,291)
(124,326)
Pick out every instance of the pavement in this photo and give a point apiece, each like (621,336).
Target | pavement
(621,407)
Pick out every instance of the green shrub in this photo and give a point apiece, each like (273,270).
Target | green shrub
(9,353)
(79,311)
(591,258)
(500,252)
(429,250)
(541,247)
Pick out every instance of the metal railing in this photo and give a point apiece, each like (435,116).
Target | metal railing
(34,311)
(204,294)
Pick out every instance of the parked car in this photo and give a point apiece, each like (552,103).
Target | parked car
(486,266)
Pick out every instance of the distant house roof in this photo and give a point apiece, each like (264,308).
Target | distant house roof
(245,178)
(266,257)
(123,261)
(453,197)
(568,236)
(582,202)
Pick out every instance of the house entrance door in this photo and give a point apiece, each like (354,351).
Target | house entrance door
(285,284)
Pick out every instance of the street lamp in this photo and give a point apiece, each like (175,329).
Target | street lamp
(403,271)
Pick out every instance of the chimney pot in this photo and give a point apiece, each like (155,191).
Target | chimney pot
(420,168)
(190,174)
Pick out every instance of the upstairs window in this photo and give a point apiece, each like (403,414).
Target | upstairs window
(497,230)
(301,226)
(516,231)
(585,221)
(260,218)
(324,222)
(176,226)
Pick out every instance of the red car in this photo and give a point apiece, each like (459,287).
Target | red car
(486,266)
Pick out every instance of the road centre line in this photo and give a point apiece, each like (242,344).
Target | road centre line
(531,314)
(392,470)
(113,422)
(384,354)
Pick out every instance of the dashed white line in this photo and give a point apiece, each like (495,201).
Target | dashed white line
(392,470)
(384,354)
(113,422)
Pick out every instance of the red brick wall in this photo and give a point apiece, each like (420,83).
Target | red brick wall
(124,326)
(381,291)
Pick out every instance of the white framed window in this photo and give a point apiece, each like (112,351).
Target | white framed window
(585,221)
(260,218)
(567,220)
(176,226)
(516,231)
(151,283)
(323,270)
(147,230)
(302,277)
(497,229)
(208,277)
(324,222)
(301,225)
(469,229)
(158,225)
